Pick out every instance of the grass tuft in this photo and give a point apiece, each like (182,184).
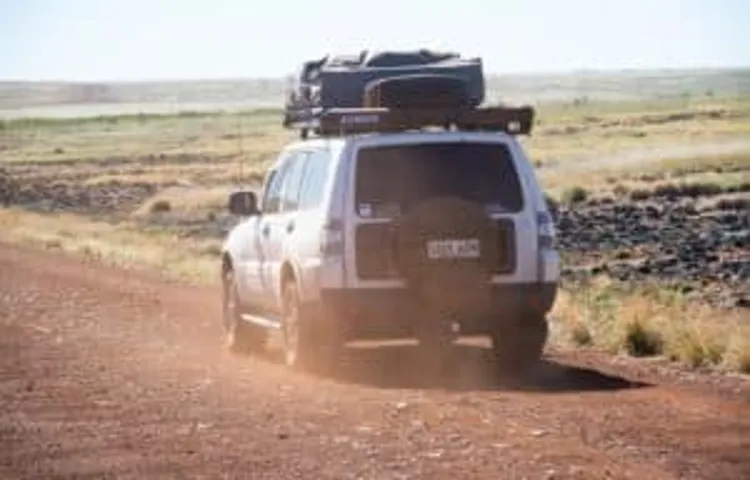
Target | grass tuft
(737,353)
(642,339)
(160,206)
(648,321)
(575,195)
(581,335)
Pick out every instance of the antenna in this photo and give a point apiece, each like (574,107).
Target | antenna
(240,147)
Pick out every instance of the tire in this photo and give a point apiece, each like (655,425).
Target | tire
(242,337)
(307,345)
(517,349)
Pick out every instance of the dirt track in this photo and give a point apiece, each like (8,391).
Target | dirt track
(106,373)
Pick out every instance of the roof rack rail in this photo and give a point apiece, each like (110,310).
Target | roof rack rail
(344,121)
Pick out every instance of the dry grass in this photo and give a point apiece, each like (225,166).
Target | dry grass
(212,171)
(676,167)
(209,134)
(650,322)
(188,200)
(163,174)
(580,135)
(724,171)
(737,355)
(121,245)
(570,133)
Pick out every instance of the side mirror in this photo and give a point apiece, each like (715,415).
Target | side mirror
(243,203)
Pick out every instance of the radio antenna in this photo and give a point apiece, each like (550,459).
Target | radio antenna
(240,147)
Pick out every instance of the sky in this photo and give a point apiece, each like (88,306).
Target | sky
(90,40)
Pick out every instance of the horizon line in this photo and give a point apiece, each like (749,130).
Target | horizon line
(488,74)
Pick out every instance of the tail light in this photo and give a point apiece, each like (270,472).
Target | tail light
(545,231)
(332,238)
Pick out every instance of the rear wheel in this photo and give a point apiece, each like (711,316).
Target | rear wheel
(307,344)
(242,337)
(518,348)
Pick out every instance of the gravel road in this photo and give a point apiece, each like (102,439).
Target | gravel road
(107,373)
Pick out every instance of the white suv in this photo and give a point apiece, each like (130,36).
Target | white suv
(381,233)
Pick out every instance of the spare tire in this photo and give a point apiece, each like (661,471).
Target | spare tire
(446,250)
(417,91)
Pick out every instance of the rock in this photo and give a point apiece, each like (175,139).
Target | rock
(599,269)
(644,267)
(623,255)
(679,243)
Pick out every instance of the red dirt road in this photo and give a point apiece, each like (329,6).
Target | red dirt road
(112,374)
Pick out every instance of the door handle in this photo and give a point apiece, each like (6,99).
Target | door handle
(290,227)
(266,230)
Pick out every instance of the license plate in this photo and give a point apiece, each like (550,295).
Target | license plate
(468,248)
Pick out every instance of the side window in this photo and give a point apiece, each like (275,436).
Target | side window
(314,181)
(272,194)
(291,184)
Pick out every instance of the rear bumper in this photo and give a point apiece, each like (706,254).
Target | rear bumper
(392,313)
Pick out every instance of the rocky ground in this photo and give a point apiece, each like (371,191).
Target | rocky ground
(50,189)
(691,237)
(697,244)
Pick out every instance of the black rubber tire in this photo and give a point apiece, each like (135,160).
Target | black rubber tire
(307,345)
(518,348)
(242,337)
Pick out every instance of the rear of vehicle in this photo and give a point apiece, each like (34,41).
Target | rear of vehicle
(388,176)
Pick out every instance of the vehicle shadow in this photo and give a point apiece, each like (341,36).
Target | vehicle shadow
(470,368)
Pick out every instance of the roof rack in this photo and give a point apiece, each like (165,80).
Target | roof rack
(344,121)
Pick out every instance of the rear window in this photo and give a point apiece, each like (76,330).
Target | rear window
(391,179)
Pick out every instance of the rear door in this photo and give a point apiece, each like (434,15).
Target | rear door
(391,174)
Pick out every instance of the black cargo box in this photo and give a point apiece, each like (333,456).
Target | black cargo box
(391,77)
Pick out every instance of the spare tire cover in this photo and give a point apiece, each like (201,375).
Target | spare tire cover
(435,250)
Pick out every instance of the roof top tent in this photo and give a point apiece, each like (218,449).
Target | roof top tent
(396,78)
